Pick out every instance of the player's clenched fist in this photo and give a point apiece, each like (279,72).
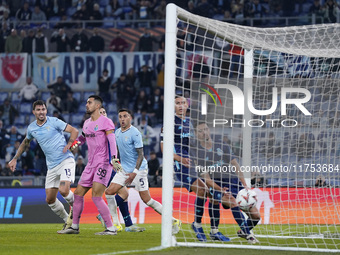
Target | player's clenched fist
(116,164)
(74,145)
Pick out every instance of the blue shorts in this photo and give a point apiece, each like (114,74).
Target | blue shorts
(233,185)
(186,176)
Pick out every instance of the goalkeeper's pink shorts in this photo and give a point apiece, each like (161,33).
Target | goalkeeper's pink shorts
(100,174)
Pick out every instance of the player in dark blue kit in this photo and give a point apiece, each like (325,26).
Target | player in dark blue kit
(216,163)
(184,173)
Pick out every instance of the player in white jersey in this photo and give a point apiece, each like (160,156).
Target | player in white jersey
(48,131)
(134,166)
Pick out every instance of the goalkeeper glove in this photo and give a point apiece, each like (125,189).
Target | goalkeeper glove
(116,164)
(74,145)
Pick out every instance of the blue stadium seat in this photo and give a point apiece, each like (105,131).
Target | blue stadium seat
(111,108)
(104,3)
(15,97)
(108,22)
(45,95)
(76,119)
(31,118)
(54,21)
(3,96)
(77,96)
(87,94)
(67,117)
(25,108)
(20,121)
(70,11)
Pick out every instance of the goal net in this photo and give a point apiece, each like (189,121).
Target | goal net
(271,95)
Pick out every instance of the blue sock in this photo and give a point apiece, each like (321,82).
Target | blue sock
(199,209)
(241,221)
(214,213)
(124,209)
(119,200)
(252,223)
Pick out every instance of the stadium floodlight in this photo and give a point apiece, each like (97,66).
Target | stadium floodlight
(272,94)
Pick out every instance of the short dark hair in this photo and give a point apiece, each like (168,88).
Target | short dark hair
(38,102)
(125,110)
(97,98)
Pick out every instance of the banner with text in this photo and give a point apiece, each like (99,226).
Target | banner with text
(81,70)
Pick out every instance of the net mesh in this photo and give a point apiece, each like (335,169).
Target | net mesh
(294,166)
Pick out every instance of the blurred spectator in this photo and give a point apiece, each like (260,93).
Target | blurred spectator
(254,9)
(160,10)
(153,165)
(3,37)
(40,42)
(53,96)
(320,181)
(13,42)
(80,166)
(96,42)
(8,112)
(2,136)
(331,11)
(140,102)
(96,15)
(145,79)
(157,102)
(29,91)
(123,87)
(131,77)
(104,84)
(64,22)
(58,115)
(79,41)
(205,9)
(53,106)
(159,175)
(318,10)
(56,8)
(161,43)
(81,15)
(6,171)
(24,14)
(186,39)
(38,15)
(3,9)
(61,39)
(148,133)
(257,180)
(11,143)
(27,42)
(119,44)
(190,7)
(40,160)
(6,19)
(146,41)
(288,7)
(70,105)
(27,160)
(60,88)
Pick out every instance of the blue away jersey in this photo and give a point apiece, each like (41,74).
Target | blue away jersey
(127,143)
(51,140)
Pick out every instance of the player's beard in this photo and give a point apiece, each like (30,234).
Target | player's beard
(88,111)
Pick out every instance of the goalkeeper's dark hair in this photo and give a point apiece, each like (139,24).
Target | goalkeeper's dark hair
(198,122)
(97,98)
(38,102)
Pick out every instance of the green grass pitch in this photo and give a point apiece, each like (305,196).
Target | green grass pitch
(43,239)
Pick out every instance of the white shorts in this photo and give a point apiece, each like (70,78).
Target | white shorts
(140,182)
(65,171)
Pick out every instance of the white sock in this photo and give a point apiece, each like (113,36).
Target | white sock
(111,202)
(75,226)
(155,205)
(197,225)
(58,208)
(214,230)
(69,198)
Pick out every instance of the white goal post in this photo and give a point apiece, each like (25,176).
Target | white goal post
(273,96)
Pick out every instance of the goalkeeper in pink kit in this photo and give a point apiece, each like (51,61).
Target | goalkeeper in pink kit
(98,132)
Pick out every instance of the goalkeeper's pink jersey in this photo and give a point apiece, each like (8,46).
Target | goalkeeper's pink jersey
(97,142)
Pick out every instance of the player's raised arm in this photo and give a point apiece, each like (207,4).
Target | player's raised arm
(74,133)
(24,144)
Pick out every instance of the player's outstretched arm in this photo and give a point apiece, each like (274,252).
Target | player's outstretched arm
(74,133)
(24,144)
